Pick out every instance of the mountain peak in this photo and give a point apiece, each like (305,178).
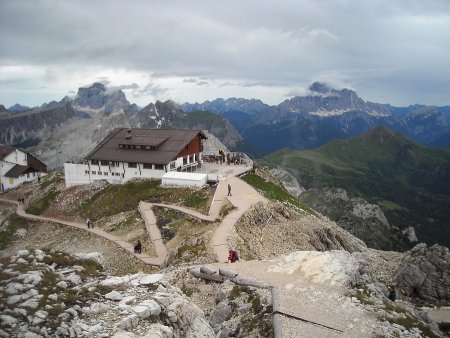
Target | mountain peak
(319,87)
(382,136)
(97,96)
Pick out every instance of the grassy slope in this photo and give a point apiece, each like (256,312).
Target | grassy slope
(275,193)
(410,182)
(118,198)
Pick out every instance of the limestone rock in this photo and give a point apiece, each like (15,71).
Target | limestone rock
(424,272)
(128,322)
(62,285)
(124,334)
(114,295)
(159,331)
(151,279)
(74,279)
(220,313)
(7,320)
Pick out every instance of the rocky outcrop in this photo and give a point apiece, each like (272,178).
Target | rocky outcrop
(359,217)
(271,230)
(288,181)
(54,294)
(424,273)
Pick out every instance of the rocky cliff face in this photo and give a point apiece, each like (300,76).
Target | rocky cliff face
(97,97)
(19,127)
(424,274)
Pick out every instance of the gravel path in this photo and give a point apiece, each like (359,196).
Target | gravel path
(299,296)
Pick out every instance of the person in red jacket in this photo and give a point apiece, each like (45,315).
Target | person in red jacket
(232,256)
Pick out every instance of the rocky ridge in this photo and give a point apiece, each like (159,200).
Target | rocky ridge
(54,294)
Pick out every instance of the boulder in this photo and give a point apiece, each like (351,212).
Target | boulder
(219,314)
(151,279)
(114,295)
(128,322)
(7,320)
(23,253)
(74,279)
(154,307)
(62,285)
(142,311)
(124,303)
(424,273)
(159,331)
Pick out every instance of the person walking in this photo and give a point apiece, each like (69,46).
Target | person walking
(392,295)
(88,222)
(138,247)
(229,190)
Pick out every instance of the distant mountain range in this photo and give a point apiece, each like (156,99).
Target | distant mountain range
(307,122)
(410,182)
(302,122)
(68,129)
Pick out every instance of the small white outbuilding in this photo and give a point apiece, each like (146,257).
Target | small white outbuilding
(183,179)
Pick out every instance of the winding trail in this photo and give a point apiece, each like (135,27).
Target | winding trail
(243,197)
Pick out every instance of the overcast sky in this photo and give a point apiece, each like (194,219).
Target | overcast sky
(389,51)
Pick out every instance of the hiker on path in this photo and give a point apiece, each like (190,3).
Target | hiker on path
(138,247)
(232,256)
(392,295)
(229,190)
(89,223)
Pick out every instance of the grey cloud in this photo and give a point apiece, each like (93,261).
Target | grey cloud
(284,44)
(152,89)
(202,83)
(190,80)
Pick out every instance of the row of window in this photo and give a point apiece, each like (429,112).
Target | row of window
(105,163)
(130,164)
(99,173)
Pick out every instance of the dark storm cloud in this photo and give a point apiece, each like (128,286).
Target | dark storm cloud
(395,51)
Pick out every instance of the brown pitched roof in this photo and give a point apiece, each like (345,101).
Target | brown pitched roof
(36,164)
(18,170)
(167,144)
(5,150)
(32,161)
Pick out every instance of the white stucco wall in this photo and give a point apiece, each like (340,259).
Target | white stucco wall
(77,174)
(183,179)
(16,157)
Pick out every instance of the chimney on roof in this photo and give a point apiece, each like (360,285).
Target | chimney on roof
(128,134)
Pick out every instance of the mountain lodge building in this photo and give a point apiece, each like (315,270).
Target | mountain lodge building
(138,153)
(18,167)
